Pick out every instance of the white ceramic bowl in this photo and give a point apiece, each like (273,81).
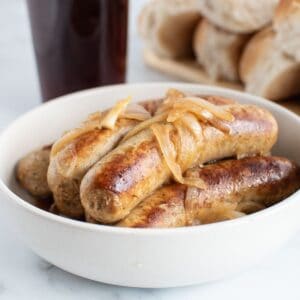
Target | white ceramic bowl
(141,257)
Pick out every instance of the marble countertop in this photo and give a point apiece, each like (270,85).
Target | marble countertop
(25,275)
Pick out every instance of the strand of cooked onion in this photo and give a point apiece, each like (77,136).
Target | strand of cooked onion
(189,137)
(146,124)
(162,133)
(171,96)
(215,119)
(135,112)
(107,120)
(218,111)
(206,113)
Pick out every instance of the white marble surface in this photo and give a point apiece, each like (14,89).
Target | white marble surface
(23,275)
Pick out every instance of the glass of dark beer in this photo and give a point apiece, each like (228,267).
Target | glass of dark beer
(78,44)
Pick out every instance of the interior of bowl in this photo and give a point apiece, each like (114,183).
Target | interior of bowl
(46,123)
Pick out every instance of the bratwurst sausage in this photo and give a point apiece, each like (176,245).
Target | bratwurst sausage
(261,180)
(137,167)
(73,158)
(31,172)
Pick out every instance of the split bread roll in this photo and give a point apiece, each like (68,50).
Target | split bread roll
(286,24)
(218,51)
(242,16)
(266,71)
(167,26)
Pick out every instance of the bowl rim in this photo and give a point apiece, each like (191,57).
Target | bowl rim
(146,231)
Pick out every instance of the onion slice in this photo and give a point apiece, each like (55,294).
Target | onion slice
(162,133)
(94,121)
(172,95)
(135,112)
(144,125)
(111,116)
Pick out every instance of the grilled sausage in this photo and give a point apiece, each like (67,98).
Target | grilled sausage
(32,169)
(31,172)
(261,180)
(68,166)
(136,168)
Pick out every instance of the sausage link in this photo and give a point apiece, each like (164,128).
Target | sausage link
(31,172)
(136,168)
(69,165)
(262,180)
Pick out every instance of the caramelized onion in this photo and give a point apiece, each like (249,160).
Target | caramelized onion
(218,111)
(110,118)
(190,136)
(172,95)
(162,134)
(183,116)
(144,125)
(94,121)
(135,112)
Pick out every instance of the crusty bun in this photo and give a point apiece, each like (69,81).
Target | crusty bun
(167,26)
(287,26)
(242,16)
(218,51)
(266,71)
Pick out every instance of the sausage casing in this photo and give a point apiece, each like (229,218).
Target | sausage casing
(68,166)
(261,180)
(31,172)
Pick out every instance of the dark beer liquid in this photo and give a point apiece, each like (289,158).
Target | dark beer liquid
(78,44)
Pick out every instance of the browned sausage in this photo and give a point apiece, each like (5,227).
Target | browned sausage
(72,161)
(31,172)
(262,180)
(136,168)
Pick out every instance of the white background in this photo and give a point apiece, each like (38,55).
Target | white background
(23,275)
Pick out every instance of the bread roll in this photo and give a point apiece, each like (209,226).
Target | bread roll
(242,16)
(218,51)
(287,26)
(267,71)
(167,26)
